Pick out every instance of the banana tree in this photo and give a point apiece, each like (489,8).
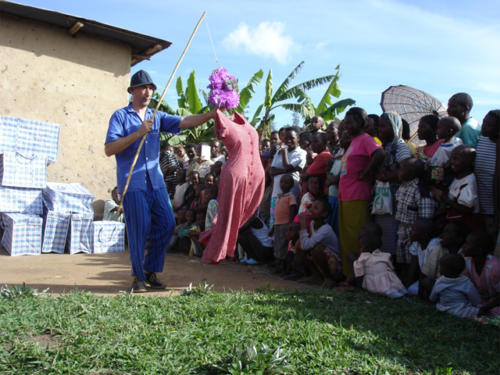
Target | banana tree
(301,102)
(327,109)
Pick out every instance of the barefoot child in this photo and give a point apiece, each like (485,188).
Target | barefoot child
(285,210)
(423,243)
(375,266)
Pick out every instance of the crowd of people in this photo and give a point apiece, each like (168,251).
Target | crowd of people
(363,204)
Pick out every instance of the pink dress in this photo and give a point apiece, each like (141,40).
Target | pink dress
(241,186)
(378,274)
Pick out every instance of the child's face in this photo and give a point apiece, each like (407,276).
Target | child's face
(191,153)
(189,216)
(180,152)
(459,162)
(490,128)
(313,186)
(316,123)
(195,179)
(275,138)
(214,148)
(266,145)
(406,172)
(209,180)
(385,130)
(317,211)
(305,144)
(425,131)
(353,125)
(292,140)
(317,143)
(286,183)
(200,219)
(332,134)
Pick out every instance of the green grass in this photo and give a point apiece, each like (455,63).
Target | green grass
(266,332)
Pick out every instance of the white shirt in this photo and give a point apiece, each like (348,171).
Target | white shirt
(297,158)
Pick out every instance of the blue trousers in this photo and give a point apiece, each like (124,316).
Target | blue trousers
(148,214)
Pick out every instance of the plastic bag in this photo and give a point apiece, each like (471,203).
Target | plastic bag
(382,199)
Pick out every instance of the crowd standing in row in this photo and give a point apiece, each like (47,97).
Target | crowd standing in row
(363,204)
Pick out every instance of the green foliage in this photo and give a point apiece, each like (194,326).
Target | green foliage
(326,108)
(247,92)
(188,103)
(296,99)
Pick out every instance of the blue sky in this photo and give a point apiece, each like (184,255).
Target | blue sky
(441,47)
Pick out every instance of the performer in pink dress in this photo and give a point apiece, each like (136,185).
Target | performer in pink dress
(241,186)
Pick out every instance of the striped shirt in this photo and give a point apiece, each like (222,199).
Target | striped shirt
(484,169)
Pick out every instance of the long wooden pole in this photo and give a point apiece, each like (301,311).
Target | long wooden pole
(158,105)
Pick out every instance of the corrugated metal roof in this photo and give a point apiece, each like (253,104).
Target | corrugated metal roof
(143,46)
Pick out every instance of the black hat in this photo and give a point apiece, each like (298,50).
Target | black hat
(141,78)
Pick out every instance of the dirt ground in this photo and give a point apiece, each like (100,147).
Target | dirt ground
(109,274)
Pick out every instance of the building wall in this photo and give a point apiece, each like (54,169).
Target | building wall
(76,82)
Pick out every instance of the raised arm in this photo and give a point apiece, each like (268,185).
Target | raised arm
(193,121)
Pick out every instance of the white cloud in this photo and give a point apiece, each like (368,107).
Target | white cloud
(267,39)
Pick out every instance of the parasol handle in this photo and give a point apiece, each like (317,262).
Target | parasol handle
(158,105)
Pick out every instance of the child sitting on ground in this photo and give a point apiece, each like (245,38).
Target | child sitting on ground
(447,128)
(483,269)
(413,201)
(183,231)
(452,238)
(321,243)
(112,209)
(462,203)
(454,292)
(375,266)
(422,244)
(285,210)
(210,204)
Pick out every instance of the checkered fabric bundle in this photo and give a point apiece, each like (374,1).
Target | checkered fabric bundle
(21,200)
(70,198)
(109,237)
(55,232)
(29,137)
(80,233)
(22,234)
(18,170)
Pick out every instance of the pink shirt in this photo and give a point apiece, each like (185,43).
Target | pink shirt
(355,159)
